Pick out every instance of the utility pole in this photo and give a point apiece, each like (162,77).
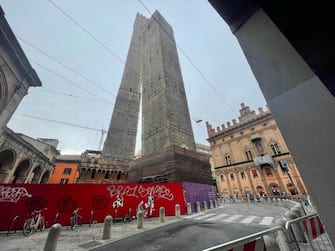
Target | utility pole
(102,131)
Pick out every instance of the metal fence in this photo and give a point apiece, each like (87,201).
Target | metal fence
(252,242)
(305,233)
(316,237)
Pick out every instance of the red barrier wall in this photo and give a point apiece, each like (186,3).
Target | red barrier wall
(103,199)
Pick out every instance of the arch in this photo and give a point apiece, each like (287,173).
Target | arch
(7,158)
(236,191)
(118,176)
(247,191)
(3,90)
(21,171)
(260,190)
(107,174)
(45,177)
(36,174)
(94,171)
(291,188)
(275,189)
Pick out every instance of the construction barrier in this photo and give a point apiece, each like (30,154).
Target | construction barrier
(253,242)
(313,227)
(314,232)
(121,200)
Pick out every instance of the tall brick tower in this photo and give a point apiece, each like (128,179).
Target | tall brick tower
(121,138)
(168,148)
(165,115)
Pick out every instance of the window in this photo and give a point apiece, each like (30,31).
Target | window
(268,171)
(254,173)
(64,181)
(275,148)
(228,161)
(222,178)
(67,171)
(93,173)
(243,175)
(248,154)
(232,176)
(259,147)
(107,175)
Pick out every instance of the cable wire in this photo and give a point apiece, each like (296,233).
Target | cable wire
(189,59)
(69,81)
(71,95)
(65,66)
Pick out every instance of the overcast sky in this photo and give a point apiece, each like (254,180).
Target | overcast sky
(199,31)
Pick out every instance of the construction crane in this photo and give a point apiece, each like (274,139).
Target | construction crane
(102,131)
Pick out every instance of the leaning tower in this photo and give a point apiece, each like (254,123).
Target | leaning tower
(121,137)
(165,115)
(168,148)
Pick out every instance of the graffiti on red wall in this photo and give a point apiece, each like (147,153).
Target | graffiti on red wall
(12,194)
(98,200)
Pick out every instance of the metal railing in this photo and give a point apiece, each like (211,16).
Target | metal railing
(312,229)
(289,237)
(244,240)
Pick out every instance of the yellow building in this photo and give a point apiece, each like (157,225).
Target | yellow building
(251,157)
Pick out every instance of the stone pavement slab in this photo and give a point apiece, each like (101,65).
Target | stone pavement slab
(82,238)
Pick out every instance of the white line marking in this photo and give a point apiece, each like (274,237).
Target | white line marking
(249,219)
(266,221)
(232,218)
(204,216)
(193,215)
(218,217)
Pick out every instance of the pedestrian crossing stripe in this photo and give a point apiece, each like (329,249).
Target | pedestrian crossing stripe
(193,215)
(249,219)
(233,218)
(204,216)
(218,217)
(266,221)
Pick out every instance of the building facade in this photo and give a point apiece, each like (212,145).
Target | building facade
(89,167)
(16,73)
(66,170)
(22,159)
(250,157)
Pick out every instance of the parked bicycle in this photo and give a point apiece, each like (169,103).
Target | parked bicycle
(76,219)
(35,222)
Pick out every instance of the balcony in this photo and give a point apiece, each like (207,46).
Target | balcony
(264,160)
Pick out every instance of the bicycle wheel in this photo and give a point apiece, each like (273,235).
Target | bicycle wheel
(41,226)
(26,228)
